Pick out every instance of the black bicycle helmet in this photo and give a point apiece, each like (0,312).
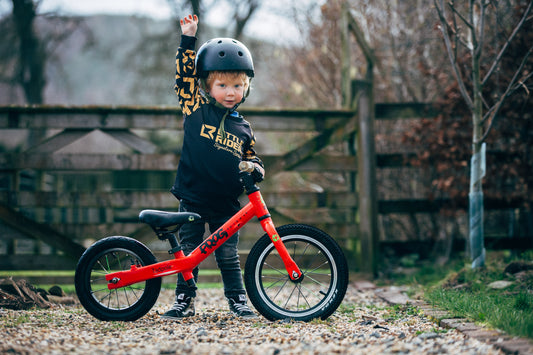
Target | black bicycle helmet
(223,54)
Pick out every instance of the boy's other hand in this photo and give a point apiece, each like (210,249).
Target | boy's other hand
(259,173)
(189,25)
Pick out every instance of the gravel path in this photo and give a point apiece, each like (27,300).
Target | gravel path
(363,324)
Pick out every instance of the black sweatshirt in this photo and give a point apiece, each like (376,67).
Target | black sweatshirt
(208,174)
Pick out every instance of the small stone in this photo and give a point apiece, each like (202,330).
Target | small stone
(56,291)
(426,336)
(201,332)
(499,285)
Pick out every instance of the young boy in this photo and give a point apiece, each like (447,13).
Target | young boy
(210,86)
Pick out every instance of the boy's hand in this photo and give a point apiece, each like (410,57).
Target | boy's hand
(189,25)
(259,173)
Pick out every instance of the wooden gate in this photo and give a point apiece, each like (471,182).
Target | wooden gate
(92,169)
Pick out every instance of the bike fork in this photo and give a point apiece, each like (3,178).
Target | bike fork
(263,215)
(293,270)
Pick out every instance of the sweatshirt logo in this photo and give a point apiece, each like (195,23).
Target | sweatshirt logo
(230,143)
(208,131)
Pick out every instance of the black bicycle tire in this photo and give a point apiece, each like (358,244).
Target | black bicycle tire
(82,280)
(255,286)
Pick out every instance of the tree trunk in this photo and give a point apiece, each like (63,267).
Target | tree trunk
(31,55)
(475,208)
(475,196)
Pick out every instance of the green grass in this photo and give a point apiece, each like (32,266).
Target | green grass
(70,289)
(36,273)
(67,273)
(512,313)
(465,293)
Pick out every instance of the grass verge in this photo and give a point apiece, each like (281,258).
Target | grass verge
(499,295)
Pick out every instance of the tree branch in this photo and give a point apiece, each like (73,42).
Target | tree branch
(447,42)
(465,21)
(491,114)
(242,17)
(507,42)
(481,30)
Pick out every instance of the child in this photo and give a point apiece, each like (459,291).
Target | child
(210,86)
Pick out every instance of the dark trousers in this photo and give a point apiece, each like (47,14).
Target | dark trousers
(191,235)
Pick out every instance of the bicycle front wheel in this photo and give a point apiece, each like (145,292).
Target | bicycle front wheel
(110,255)
(316,295)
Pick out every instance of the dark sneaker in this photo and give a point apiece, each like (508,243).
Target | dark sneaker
(238,306)
(183,307)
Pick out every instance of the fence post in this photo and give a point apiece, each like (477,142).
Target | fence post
(367,210)
(360,94)
(344,29)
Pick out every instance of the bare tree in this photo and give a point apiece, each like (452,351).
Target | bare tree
(242,11)
(27,49)
(31,58)
(404,44)
(464,29)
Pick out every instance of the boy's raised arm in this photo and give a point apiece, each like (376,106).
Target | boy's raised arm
(186,86)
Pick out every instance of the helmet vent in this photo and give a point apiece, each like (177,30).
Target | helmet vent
(240,54)
(221,54)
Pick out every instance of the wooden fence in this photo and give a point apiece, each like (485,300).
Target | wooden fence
(89,171)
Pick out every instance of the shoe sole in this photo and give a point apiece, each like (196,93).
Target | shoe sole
(175,318)
(252,316)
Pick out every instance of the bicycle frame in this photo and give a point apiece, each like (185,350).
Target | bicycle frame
(185,264)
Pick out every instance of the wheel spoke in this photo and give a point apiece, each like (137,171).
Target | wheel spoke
(280,289)
(98,279)
(284,272)
(301,256)
(306,273)
(303,296)
(315,281)
(315,291)
(105,271)
(275,281)
(290,296)
(100,290)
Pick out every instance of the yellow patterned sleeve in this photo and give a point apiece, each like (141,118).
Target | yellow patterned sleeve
(249,153)
(186,86)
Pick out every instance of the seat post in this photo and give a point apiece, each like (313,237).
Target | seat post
(174,244)
(163,234)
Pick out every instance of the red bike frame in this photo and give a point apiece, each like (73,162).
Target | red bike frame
(185,264)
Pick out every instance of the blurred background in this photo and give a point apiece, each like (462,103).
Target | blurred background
(121,52)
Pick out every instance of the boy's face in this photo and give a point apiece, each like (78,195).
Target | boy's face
(228,90)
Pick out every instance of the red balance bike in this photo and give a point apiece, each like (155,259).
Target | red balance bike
(292,272)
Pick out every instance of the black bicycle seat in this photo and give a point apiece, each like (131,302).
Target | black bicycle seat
(163,219)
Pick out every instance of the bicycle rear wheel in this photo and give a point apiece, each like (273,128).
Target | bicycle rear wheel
(109,255)
(316,295)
